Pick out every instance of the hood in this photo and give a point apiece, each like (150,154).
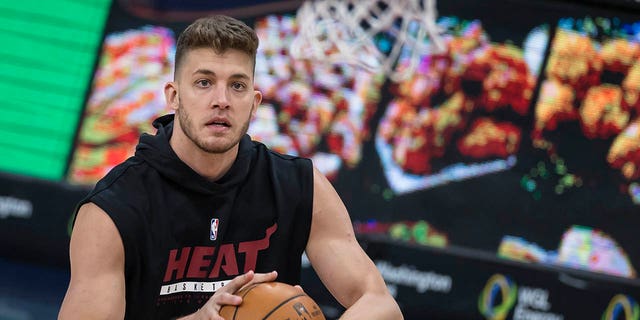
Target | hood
(157,152)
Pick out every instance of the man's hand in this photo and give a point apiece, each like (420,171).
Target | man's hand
(226,295)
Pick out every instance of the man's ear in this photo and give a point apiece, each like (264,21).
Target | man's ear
(257,98)
(171,95)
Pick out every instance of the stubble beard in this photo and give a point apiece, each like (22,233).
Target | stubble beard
(187,126)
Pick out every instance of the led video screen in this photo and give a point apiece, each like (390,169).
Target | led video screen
(47,56)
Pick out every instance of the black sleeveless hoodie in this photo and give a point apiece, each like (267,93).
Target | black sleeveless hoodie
(185,236)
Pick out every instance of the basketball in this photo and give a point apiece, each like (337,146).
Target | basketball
(272,301)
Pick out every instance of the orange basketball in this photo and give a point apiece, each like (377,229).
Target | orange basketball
(272,301)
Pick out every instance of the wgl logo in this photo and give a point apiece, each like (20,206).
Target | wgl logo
(622,307)
(213,231)
(498,297)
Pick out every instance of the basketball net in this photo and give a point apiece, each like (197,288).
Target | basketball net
(381,36)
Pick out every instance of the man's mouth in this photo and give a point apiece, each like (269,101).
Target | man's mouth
(218,122)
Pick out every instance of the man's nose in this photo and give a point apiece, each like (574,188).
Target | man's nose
(220,97)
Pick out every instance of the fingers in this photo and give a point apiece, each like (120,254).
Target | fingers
(226,295)
(299,288)
(262,277)
(239,282)
(265,277)
(226,298)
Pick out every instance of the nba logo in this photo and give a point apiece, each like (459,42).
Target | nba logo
(213,232)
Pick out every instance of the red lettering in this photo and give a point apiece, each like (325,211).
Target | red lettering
(227,253)
(200,258)
(251,248)
(198,262)
(177,264)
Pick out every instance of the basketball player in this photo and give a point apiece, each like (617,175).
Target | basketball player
(177,229)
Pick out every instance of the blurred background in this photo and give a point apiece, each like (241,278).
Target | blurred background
(488,151)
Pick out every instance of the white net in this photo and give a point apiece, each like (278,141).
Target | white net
(381,36)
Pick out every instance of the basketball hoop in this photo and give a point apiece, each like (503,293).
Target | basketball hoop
(379,36)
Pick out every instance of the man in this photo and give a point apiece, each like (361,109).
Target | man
(177,229)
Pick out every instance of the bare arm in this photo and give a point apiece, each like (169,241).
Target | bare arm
(97,286)
(340,262)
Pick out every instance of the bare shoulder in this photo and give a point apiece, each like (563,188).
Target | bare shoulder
(95,242)
(93,225)
(326,200)
(97,284)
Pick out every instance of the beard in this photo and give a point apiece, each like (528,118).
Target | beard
(219,145)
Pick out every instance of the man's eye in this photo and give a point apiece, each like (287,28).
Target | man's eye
(238,86)
(203,83)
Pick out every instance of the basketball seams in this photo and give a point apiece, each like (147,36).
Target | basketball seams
(272,300)
(280,305)
(235,311)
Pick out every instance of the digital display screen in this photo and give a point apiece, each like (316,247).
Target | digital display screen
(46,59)
(127,94)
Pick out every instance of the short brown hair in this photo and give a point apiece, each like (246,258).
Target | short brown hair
(219,33)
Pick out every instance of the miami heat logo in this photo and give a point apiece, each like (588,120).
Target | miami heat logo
(195,268)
